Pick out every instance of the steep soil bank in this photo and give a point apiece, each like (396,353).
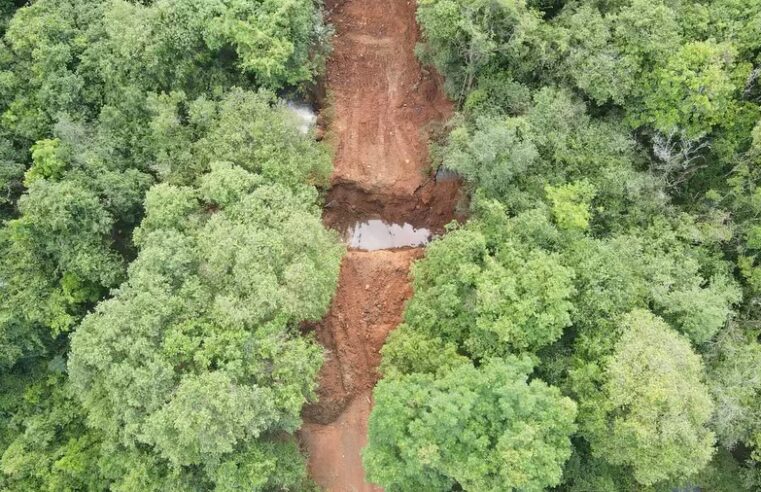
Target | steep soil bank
(383,107)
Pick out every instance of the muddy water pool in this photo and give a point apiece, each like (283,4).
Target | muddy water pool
(376,234)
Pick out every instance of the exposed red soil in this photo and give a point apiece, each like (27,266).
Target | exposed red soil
(382,100)
(336,459)
(383,107)
(372,290)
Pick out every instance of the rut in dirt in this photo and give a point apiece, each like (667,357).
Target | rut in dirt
(383,109)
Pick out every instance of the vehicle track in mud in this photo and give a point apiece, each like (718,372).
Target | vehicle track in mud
(383,109)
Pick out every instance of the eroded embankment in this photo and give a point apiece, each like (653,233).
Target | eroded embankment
(432,205)
(383,107)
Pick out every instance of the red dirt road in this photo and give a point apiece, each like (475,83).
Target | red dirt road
(336,460)
(373,287)
(383,105)
(382,99)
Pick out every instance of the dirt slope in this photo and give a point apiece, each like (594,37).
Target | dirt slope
(369,302)
(383,106)
(335,461)
(382,100)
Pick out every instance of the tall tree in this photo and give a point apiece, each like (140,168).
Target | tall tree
(483,428)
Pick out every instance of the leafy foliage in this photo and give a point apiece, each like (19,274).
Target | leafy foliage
(655,405)
(50,447)
(733,378)
(483,428)
(102,99)
(196,355)
(695,90)
(488,297)
(188,373)
(612,148)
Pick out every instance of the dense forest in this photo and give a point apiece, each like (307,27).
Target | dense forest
(161,243)
(593,326)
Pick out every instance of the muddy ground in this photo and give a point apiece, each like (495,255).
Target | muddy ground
(381,101)
(369,302)
(382,108)
(372,289)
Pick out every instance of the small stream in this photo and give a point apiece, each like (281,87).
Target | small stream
(303,114)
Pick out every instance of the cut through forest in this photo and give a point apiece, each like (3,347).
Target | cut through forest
(383,108)
(365,245)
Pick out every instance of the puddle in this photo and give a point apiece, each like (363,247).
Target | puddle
(304,115)
(375,234)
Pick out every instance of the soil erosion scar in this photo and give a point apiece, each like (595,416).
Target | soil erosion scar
(383,107)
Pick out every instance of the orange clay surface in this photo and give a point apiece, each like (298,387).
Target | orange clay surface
(383,107)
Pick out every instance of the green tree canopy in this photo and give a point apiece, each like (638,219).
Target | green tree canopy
(655,406)
(197,356)
(487,296)
(483,428)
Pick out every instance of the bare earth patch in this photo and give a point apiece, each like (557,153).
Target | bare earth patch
(383,107)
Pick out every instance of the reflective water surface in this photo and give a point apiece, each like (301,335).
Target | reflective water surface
(375,234)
